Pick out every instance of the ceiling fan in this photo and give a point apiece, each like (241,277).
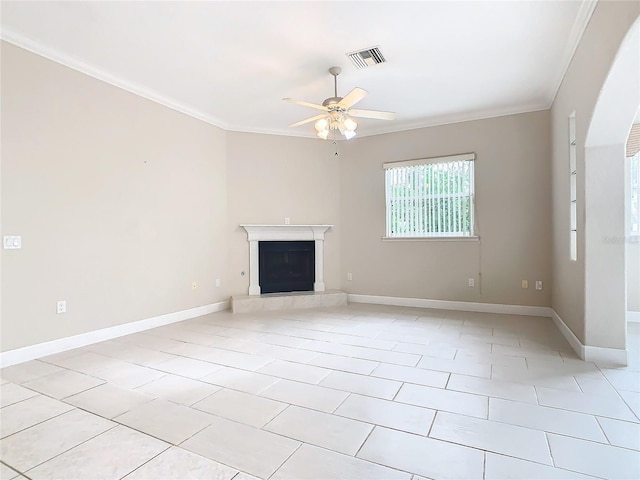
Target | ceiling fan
(338,111)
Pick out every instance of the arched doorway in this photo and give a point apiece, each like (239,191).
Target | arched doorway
(605,279)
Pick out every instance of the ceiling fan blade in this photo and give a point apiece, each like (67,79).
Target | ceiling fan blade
(306,104)
(372,114)
(307,120)
(353,97)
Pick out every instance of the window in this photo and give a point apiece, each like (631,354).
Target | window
(633,223)
(430,197)
(573,190)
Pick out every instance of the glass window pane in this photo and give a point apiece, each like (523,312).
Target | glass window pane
(433,199)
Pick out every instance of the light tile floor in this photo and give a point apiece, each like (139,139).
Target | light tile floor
(355,392)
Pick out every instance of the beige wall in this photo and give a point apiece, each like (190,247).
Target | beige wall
(120,202)
(579,92)
(513,197)
(270,177)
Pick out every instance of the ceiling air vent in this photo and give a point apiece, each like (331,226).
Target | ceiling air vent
(366,58)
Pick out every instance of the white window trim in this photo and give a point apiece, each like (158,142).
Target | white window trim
(428,161)
(466,238)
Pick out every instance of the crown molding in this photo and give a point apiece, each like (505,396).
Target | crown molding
(100,74)
(458,118)
(585,12)
(414,125)
(39,49)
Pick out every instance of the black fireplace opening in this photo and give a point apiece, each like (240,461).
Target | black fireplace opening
(287,266)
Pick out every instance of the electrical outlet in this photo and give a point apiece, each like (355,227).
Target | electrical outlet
(525,284)
(287,221)
(349,276)
(538,284)
(12,242)
(471,282)
(217,282)
(194,285)
(61,307)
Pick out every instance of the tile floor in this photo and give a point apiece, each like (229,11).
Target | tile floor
(355,392)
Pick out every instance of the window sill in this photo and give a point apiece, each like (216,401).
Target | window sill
(431,239)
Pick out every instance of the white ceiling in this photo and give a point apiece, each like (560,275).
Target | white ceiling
(231,63)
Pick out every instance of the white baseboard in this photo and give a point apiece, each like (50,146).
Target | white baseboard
(32,352)
(633,317)
(576,344)
(600,355)
(449,305)
(605,356)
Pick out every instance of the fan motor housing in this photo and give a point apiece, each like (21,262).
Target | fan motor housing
(331,101)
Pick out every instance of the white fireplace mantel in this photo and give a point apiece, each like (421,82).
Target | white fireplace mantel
(285,233)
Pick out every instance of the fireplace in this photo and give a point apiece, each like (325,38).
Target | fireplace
(310,234)
(286,266)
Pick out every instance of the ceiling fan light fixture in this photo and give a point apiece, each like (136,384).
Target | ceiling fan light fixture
(337,114)
(349,134)
(321,124)
(350,124)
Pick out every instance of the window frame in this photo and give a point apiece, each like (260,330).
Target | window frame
(422,235)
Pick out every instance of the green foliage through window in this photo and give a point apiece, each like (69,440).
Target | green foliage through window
(430,199)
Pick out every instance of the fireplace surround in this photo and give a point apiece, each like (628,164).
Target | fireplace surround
(285,233)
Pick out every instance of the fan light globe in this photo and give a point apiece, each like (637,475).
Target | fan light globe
(321,124)
(350,124)
(349,134)
(323,134)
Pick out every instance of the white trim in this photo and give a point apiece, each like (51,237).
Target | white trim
(102,75)
(577,30)
(261,233)
(633,317)
(451,305)
(391,127)
(32,352)
(576,344)
(471,238)
(600,355)
(462,157)
(439,120)
(605,356)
